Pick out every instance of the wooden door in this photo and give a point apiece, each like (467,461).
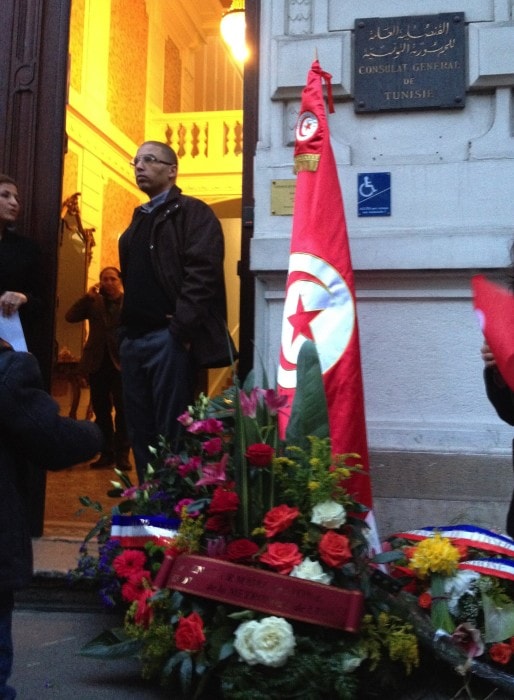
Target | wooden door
(33,80)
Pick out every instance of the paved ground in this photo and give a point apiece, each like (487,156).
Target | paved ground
(47,664)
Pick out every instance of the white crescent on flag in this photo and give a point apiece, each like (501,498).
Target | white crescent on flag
(319,306)
(306,126)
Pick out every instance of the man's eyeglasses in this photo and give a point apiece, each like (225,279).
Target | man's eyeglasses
(148,159)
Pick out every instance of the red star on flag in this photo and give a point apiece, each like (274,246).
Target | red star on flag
(301,321)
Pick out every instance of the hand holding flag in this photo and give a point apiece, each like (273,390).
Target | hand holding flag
(494,306)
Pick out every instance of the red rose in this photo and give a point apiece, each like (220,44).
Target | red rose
(219,523)
(259,454)
(500,652)
(241,550)
(223,501)
(279,519)
(189,634)
(334,549)
(282,556)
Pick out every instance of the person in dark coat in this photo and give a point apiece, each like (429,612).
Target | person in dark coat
(19,265)
(100,363)
(174,315)
(502,398)
(499,393)
(31,432)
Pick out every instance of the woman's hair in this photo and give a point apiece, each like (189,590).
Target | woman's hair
(109,267)
(7,179)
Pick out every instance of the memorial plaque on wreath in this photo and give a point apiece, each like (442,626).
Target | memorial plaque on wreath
(413,62)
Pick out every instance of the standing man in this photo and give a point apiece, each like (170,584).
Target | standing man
(173,319)
(100,363)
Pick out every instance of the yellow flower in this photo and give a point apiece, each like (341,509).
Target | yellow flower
(435,555)
(403,646)
(258,531)
(313,485)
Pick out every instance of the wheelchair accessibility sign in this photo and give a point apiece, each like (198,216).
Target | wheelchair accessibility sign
(374,194)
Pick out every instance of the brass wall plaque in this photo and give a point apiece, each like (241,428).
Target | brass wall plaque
(413,62)
(282,197)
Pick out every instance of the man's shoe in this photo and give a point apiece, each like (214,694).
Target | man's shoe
(103,462)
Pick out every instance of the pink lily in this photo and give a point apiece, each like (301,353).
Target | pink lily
(214,473)
(249,402)
(273,401)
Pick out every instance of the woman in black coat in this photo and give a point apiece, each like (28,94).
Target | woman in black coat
(19,264)
(31,432)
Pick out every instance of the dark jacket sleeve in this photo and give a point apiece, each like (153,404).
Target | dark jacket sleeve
(80,310)
(30,420)
(499,394)
(202,282)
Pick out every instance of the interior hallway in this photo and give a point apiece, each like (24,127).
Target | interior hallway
(64,514)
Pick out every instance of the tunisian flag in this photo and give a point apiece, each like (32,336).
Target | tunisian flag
(320,295)
(494,306)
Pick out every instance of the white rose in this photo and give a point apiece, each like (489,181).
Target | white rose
(459,584)
(329,514)
(311,571)
(269,642)
(243,642)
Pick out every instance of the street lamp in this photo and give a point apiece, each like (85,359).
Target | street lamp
(232,28)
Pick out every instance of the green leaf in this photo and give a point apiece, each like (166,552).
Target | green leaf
(88,503)
(249,382)
(186,674)
(112,644)
(309,413)
(174,661)
(386,557)
(226,650)
(242,615)
(498,620)
(97,529)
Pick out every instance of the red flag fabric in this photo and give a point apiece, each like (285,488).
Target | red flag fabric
(320,294)
(494,306)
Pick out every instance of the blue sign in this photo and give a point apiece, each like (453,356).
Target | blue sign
(374,194)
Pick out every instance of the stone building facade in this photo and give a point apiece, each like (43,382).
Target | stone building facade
(439,453)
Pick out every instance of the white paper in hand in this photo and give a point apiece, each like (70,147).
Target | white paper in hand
(11,330)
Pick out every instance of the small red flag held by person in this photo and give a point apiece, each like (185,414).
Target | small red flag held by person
(320,295)
(494,306)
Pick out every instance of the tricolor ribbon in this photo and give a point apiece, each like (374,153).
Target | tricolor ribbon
(137,530)
(469,535)
(502,568)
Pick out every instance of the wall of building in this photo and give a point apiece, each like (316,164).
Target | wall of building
(439,452)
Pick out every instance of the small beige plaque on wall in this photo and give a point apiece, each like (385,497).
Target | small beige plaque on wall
(282,197)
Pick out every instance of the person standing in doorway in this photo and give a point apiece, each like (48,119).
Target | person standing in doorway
(100,363)
(19,264)
(173,319)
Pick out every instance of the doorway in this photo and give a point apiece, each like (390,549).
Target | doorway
(176,84)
